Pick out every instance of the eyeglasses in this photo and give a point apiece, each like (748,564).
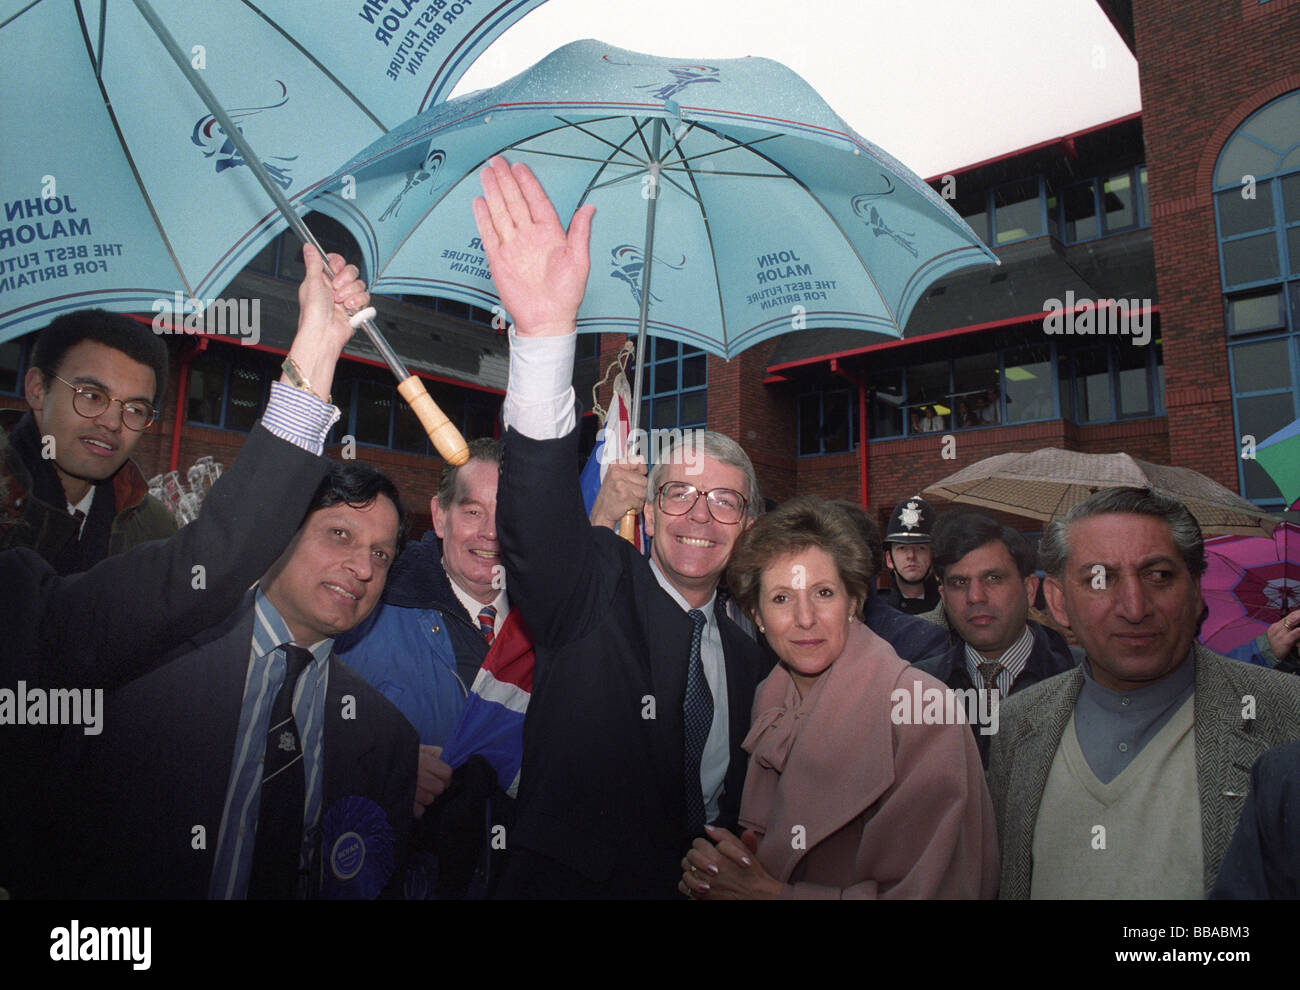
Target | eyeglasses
(90,401)
(726,506)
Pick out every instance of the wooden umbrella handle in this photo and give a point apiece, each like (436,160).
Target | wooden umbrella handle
(627,526)
(445,438)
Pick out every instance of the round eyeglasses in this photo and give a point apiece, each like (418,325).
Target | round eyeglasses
(91,401)
(725,505)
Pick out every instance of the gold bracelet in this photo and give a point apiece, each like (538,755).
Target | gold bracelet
(297,379)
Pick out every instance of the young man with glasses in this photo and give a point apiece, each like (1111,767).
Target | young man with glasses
(93,388)
(642,691)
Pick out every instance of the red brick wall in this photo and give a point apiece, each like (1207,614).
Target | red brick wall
(1203,68)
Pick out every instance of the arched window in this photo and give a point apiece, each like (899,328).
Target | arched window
(1257,210)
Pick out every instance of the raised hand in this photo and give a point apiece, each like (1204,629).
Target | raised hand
(539,270)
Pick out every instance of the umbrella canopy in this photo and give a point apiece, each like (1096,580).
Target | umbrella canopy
(1047,483)
(1279,455)
(1250,584)
(119,188)
(756,209)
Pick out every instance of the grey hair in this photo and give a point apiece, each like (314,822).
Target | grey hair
(1054,550)
(718,447)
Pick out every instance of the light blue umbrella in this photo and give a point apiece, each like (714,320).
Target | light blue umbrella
(118,186)
(756,208)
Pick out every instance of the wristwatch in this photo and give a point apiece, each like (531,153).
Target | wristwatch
(297,379)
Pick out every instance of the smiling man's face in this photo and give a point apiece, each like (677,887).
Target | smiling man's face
(471,554)
(87,451)
(692,550)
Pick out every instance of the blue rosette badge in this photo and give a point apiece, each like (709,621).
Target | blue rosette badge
(356,850)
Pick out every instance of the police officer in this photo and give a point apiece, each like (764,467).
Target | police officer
(907,555)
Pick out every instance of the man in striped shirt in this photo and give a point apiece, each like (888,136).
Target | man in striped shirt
(987,581)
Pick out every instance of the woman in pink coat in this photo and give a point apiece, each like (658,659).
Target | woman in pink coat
(846,794)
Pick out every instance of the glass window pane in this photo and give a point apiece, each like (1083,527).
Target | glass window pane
(1080,213)
(694,371)
(1293,249)
(1117,202)
(1018,211)
(481,414)
(1251,259)
(665,378)
(1239,215)
(835,421)
(343,399)
(247,386)
(206,390)
(374,409)
(665,412)
(408,434)
(1250,314)
(979,222)
(694,408)
(975,399)
(1134,384)
(1029,384)
(1259,367)
(1291,197)
(1278,124)
(810,424)
(1142,191)
(11,352)
(1262,416)
(1092,386)
(1244,157)
(884,411)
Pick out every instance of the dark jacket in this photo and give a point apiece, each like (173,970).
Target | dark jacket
(115,621)
(44,524)
(421,650)
(1263,858)
(602,809)
(913,606)
(162,766)
(1050,656)
(911,636)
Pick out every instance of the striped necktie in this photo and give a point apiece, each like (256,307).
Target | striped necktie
(278,844)
(487,621)
(698,713)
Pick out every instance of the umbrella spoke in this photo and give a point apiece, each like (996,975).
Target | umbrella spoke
(619,148)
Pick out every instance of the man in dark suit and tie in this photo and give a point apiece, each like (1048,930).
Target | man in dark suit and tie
(255,764)
(642,691)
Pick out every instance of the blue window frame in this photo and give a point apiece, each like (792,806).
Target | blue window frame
(828,421)
(1100,206)
(674,386)
(1257,216)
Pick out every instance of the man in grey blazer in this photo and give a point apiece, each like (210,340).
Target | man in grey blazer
(1126,777)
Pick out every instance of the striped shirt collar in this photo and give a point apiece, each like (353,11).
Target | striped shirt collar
(270,630)
(1013,662)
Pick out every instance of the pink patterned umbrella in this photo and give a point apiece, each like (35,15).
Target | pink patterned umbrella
(1251,582)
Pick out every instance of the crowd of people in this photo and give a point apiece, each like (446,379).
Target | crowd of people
(264,704)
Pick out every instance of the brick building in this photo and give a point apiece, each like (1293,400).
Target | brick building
(1188,213)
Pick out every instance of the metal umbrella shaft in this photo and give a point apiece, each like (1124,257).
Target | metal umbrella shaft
(444,436)
(627,525)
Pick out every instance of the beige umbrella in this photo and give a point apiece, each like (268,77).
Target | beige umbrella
(1045,484)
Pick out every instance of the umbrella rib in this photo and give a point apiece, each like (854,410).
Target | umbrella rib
(708,237)
(621,148)
(130,161)
(338,83)
(19,13)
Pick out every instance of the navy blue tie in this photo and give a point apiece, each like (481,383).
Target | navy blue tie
(698,712)
(278,843)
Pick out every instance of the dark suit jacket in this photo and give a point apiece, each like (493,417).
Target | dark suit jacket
(1263,859)
(1049,657)
(601,809)
(115,621)
(1227,743)
(161,768)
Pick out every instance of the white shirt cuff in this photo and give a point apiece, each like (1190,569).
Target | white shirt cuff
(539,400)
